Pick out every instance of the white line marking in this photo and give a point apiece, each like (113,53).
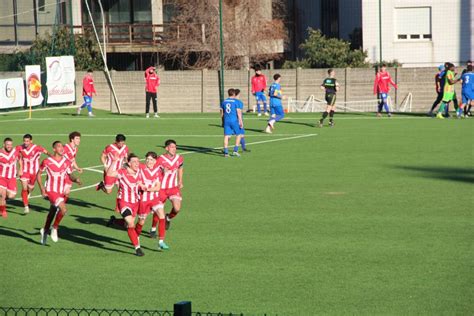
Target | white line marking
(74,190)
(167,135)
(40,110)
(93,170)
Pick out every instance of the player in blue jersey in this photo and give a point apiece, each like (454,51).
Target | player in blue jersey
(276,107)
(242,130)
(231,114)
(468,90)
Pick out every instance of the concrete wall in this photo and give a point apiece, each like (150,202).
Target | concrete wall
(198,91)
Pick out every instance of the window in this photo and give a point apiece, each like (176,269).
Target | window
(413,23)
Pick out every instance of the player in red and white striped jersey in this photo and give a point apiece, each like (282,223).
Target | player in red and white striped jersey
(70,152)
(172,183)
(129,183)
(8,160)
(58,169)
(29,156)
(118,151)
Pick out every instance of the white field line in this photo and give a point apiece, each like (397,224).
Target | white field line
(167,135)
(39,110)
(184,153)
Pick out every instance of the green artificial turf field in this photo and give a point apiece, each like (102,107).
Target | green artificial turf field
(373,216)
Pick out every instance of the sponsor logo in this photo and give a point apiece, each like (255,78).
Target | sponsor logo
(10,93)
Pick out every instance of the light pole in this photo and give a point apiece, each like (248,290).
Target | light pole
(221,33)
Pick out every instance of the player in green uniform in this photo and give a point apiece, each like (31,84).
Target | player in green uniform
(448,94)
(330,86)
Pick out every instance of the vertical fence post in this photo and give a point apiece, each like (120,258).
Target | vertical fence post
(182,309)
(297,81)
(249,89)
(345,89)
(203,88)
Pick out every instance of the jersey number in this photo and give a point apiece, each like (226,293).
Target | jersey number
(228,108)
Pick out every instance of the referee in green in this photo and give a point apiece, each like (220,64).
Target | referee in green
(330,86)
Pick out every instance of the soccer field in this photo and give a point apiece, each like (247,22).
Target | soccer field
(373,216)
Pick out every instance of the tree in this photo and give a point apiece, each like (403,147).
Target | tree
(251,35)
(323,52)
(85,50)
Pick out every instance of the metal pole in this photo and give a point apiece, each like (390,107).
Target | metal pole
(222,52)
(380,31)
(73,44)
(103,29)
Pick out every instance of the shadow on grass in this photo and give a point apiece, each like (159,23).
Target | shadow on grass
(11,232)
(200,149)
(19,204)
(298,123)
(85,204)
(465,175)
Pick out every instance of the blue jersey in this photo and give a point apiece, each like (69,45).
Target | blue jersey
(229,108)
(275,94)
(468,82)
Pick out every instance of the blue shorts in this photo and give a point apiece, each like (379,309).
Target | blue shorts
(277,110)
(467,96)
(232,128)
(87,99)
(260,96)
(383,96)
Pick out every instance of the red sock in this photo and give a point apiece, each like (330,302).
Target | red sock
(162,229)
(66,198)
(133,236)
(3,210)
(24,197)
(117,208)
(138,229)
(172,214)
(50,217)
(120,222)
(154,223)
(58,219)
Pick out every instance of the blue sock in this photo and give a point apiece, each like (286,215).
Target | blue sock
(264,107)
(258,107)
(226,151)
(89,108)
(242,143)
(236,149)
(385,106)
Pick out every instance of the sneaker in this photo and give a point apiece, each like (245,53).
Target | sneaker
(44,236)
(78,112)
(156,115)
(111,221)
(147,115)
(153,234)
(259,114)
(331,124)
(389,114)
(379,114)
(266,114)
(246,150)
(100,186)
(91,114)
(268,130)
(27,210)
(320,124)
(139,252)
(440,116)
(163,246)
(54,234)
(226,156)
(235,154)
(168,222)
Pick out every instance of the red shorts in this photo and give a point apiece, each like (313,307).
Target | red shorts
(170,194)
(126,205)
(67,183)
(146,207)
(109,182)
(55,198)
(8,184)
(30,178)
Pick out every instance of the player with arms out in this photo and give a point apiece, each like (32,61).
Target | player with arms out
(70,152)
(468,90)
(448,93)
(112,156)
(382,84)
(231,114)
(129,182)
(29,156)
(259,84)
(276,107)
(8,159)
(58,169)
(172,165)
(330,86)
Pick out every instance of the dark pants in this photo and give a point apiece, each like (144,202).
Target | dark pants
(151,96)
(437,101)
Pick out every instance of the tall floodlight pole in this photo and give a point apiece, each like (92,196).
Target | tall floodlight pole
(380,31)
(222,52)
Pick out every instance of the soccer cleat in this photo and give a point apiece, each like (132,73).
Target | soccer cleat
(246,150)
(331,124)
(226,156)
(163,246)
(44,236)
(78,112)
(235,154)
(153,234)
(111,220)
(266,114)
(389,114)
(147,115)
(440,116)
(27,210)
(320,124)
(91,114)
(268,130)
(156,115)
(379,114)
(259,114)
(100,186)
(54,234)
(168,222)
(139,252)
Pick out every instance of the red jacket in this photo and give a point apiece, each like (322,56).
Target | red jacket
(152,81)
(382,81)
(259,83)
(88,86)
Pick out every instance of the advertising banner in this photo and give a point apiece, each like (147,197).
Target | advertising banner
(60,74)
(33,85)
(12,93)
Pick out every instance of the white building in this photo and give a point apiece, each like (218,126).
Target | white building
(419,32)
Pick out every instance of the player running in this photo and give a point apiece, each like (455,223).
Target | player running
(276,107)
(112,156)
(330,86)
(70,152)
(88,90)
(259,84)
(29,156)
(8,160)
(172,183)
(58,169)
(129,182)
(231,113)
(382,88)
(468,90)
(448,93)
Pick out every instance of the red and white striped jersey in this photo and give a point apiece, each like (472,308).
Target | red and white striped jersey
(57,172)
(8,163)
(30,158)
(170,167)
(70,152)
(112,150)
(149,178)
(128,186)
